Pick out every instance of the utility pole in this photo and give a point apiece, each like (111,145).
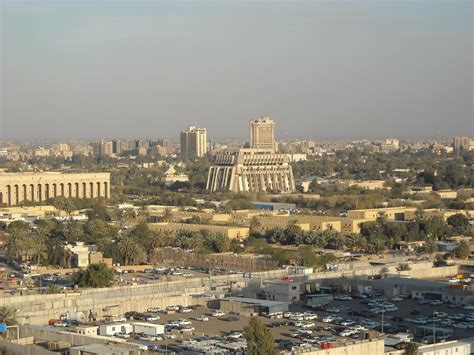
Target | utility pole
(383,312)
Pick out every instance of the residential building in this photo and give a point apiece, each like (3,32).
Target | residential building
(463,144)
(262,133)
(193,142)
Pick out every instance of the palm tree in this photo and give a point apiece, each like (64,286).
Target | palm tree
(129,250)
(254,225)
(220,242)
(411,349)
(195,242)
(7,315)
(153,243)
(53,288)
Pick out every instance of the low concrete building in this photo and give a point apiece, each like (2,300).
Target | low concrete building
(148,328)
(286,290)
(252,306)
(111,329)
(86,330)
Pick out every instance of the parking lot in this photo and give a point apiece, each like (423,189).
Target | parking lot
(351,319)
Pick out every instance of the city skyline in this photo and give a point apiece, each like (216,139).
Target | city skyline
(321,69)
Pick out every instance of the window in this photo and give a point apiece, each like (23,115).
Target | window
(293,287)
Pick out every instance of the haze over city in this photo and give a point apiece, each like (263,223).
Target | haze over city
(324,69)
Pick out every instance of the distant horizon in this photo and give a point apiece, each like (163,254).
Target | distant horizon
(328,68)
(241,139)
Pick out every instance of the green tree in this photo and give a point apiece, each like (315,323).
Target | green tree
(53,289)
(459,222)
(462,251)
(96,275)
(130,250)
(411,349)
(7,315)
(403,267)
(259,339)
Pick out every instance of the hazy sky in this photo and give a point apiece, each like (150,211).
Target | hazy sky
(92,69)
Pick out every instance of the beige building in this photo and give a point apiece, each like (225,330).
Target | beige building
(262,133)
(230,231)
(404,213)
(463,144)
(193,142)
(250,170)
(345,226)
(18,187)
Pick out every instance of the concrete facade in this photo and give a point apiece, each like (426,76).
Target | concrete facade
(193,142)
(18,187)
(250,170)
(262,133)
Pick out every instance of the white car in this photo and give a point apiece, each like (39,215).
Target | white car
(184,322)
(202,318)
(287,314)
(343,298)
(307,325)
(154,310)
(397,299)
(469,307)
(60,324)
(217,314)
(347,333)
(334,310)
(310,316)
(236,335)
(328,319)
(122,335)
(152,318)
(168,336)
(187,330)
(436,303)
(185,310)
(305,331)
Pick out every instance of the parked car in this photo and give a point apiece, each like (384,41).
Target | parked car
(202,318)
(217,314)
(122,335)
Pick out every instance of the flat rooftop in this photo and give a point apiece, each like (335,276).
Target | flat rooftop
(263,303)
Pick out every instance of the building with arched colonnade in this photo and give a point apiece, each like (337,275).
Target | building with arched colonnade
(18,187)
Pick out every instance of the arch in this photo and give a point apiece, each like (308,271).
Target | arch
(1,198)
(76,185)
(98,189)
(25,192)
(32,190)
(69,187)
(9,193)
(106,190)
(46,191)
(91,190)
(84,190)
(17,192)
(61,188)
(40,193)
(55,190)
